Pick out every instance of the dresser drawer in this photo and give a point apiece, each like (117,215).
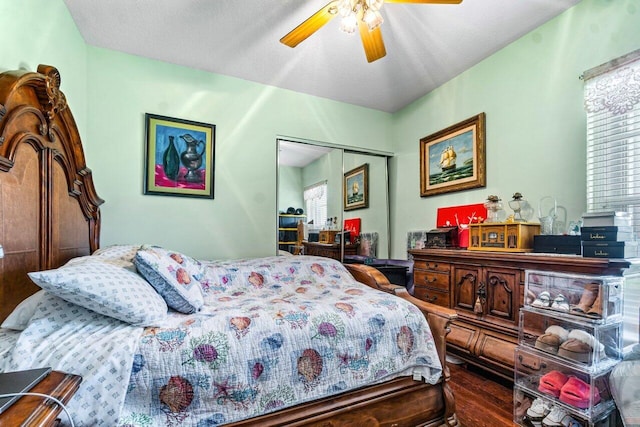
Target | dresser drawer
(442,267)
(433,296)
(431,279)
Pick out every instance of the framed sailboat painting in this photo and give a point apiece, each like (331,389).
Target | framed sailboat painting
(453,159)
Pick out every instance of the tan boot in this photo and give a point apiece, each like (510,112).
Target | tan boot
(596,307)
(589,295)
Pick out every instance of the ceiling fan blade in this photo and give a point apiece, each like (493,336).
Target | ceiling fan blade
(372,42)
(425,1)
(310,25)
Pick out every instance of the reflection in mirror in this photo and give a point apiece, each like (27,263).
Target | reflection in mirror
(310,189)
(373,220)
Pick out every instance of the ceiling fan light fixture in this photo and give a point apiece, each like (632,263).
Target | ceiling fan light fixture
(375,4)
(373,19)
(349,23)
(347,7)
(361,15)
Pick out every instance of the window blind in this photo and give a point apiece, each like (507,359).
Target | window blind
(612,103)
(315,199)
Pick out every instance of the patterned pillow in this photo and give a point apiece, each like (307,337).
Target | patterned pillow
(106,289)
(123,252)
(174,275)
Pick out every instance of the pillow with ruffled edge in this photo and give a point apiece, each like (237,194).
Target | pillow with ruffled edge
(172,275)
(107,289)
(20,316)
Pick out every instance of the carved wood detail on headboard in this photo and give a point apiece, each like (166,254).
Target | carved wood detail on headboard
(49,208)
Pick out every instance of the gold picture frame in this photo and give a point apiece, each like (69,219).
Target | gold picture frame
(356,188)
(179,157)
(453,159)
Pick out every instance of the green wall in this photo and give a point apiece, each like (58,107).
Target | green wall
(34,32)
(529,90)
(532,97)
(241,220)
(291,190)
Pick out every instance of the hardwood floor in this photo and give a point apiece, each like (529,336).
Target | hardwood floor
(481,400)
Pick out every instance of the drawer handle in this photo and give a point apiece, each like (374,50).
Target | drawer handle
(432,299)
(535,366)
(432,280)
(433,267)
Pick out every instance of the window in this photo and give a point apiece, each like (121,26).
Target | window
(612,102)
(315,199)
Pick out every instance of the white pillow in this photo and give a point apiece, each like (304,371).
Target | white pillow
(106,289)
(173,275)
(20,316)
(123,252)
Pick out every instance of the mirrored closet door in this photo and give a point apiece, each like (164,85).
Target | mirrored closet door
(316,200)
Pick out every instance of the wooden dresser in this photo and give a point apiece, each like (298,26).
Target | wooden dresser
(37,411)
(329,250)
(487,290)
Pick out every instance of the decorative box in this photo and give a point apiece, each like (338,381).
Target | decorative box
(444,237)
(606,234)
(591,249)
(328,236)
(606,218)
(557,244)
(502,237)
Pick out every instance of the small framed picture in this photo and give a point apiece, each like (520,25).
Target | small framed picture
(356,188)
(179,157)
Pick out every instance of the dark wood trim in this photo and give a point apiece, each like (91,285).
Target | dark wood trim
(35,411)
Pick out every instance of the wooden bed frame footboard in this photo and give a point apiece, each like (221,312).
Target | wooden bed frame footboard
(402,402)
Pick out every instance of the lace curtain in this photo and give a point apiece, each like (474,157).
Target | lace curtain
(614,87)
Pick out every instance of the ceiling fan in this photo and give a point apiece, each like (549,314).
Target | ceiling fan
(361,14)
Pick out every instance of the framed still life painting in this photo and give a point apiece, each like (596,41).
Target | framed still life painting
(179,157)
(453,159)
(356,188)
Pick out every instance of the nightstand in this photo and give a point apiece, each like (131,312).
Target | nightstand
(39,411)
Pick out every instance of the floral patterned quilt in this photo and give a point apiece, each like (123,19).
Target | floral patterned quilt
(274,332)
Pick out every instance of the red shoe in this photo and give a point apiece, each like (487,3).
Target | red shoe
(552,382)
(577,393)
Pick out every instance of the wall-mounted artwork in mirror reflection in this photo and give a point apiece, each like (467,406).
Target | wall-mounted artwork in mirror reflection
(356,188)
(179,157)
(453,159)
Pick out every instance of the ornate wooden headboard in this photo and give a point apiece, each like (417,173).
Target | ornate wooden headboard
(49,209)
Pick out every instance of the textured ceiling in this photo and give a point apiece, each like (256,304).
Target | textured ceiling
(426,45)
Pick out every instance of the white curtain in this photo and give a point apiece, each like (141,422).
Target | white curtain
(315,199)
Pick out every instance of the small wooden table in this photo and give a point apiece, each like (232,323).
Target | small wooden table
(39,411)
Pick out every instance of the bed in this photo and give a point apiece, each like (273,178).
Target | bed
(50,217)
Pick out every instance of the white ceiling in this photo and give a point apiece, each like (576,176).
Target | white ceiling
(298,154)
(427,44)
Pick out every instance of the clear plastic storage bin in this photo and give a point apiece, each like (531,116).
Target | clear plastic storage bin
(530,410)
(584,394)
(595,298)
(584,344)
